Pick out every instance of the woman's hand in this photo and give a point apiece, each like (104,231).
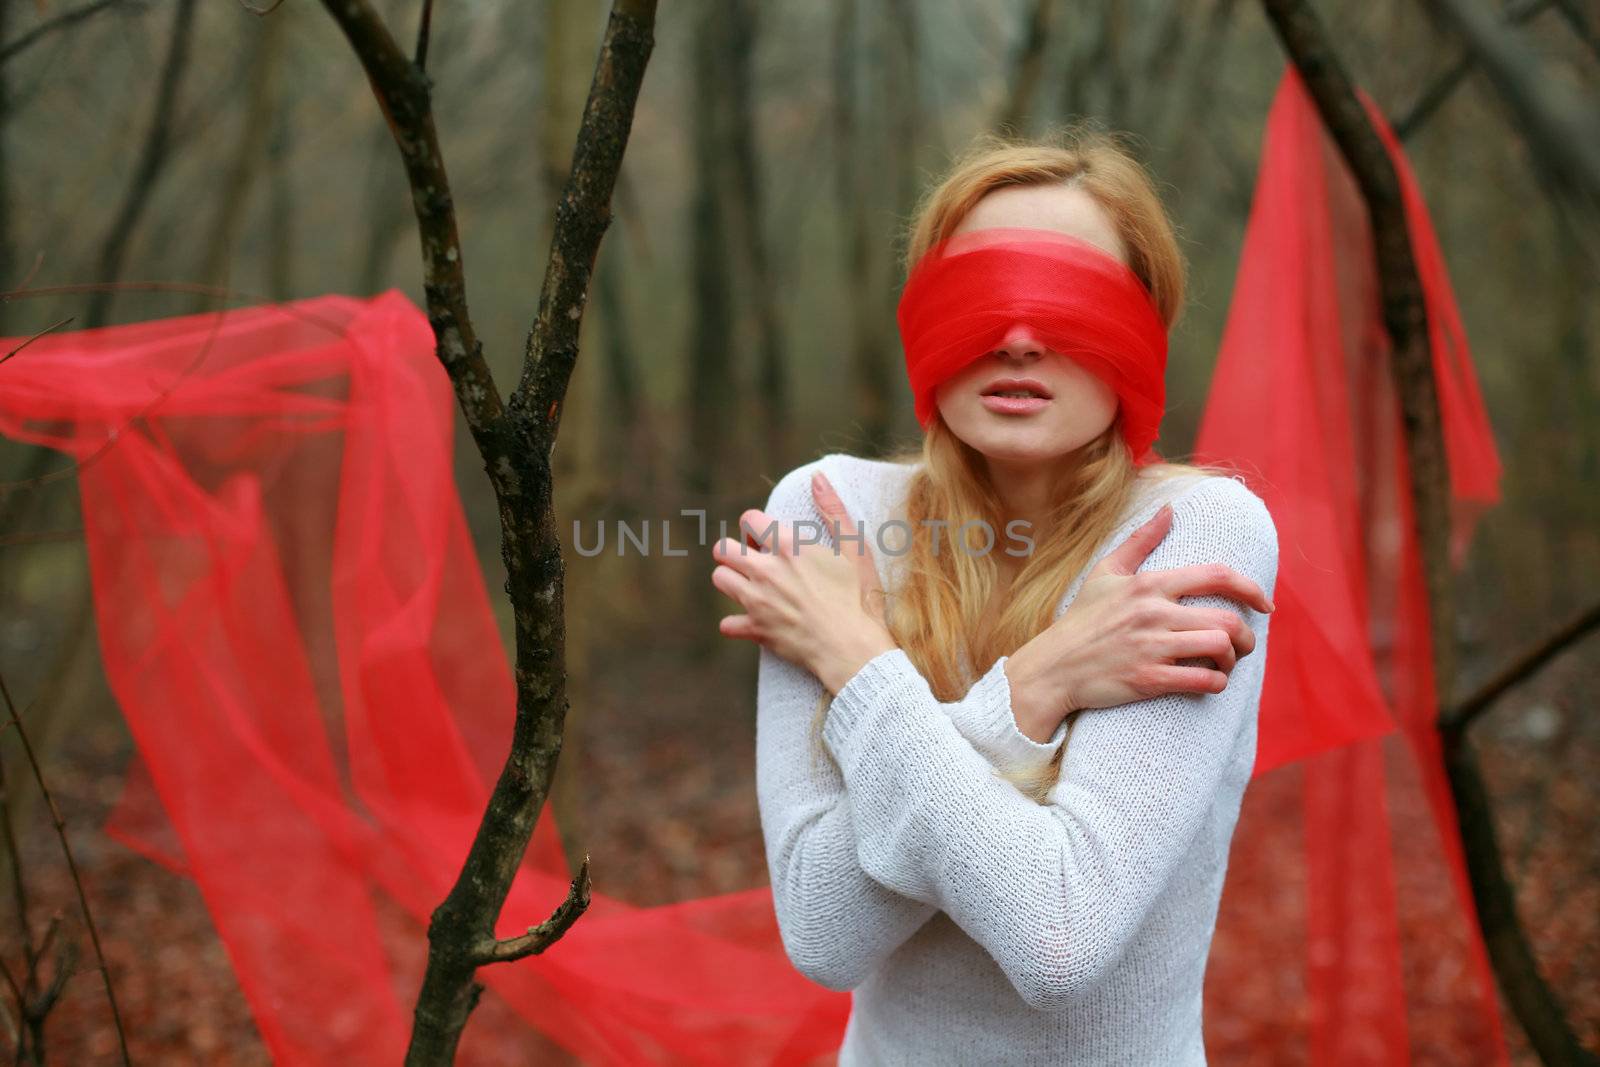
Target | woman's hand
(807,602)
(1118,640)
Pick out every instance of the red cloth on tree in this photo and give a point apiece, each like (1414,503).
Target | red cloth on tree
(1347,900)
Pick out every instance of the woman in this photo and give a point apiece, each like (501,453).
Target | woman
(999,876)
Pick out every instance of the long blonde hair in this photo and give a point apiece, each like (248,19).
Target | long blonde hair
(935,610)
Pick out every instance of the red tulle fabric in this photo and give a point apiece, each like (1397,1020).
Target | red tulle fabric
(1347,903)
(966,291)
(293,621)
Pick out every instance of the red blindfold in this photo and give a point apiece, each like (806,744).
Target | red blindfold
(968,290)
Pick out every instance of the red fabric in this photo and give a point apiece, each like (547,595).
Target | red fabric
(967,290)
(1371,891)
(294,623)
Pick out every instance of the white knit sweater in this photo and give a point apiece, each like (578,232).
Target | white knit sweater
(976,926)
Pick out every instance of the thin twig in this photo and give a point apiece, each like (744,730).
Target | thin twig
(423,27)
(77,466)
(40,537)
(42,1005)
(19,891)
(1578,20)
(403,92)
(35,337)
(72,865)
(11,983)
(153,157)
(1552,116)
(60,22)
(1434,96)
(1570,633)
(538,938)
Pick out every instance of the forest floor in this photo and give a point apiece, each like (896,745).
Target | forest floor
(661,793)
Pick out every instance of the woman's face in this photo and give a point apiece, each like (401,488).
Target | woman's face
(1066,407)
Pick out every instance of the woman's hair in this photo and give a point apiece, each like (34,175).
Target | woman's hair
(934,611)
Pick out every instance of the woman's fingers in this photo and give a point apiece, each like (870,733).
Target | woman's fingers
(1126,557)
(1214,645)
(761,531)
(1201,579)
(736,556)
(837,516)
(738,626)
(730,582)
(828,502)
(1195,617)
(1170,678)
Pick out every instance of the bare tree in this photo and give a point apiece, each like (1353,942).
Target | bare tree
(709,386)
(33,997)
(152,161)
(240,177)
(743,18)
(1445,85)
(515,437)
(1027,66)
(870,368)
(1559,127)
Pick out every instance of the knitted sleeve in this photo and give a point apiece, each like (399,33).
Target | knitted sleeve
(1056,892)
(837,924)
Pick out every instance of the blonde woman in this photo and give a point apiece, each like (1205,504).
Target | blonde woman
(1008,682)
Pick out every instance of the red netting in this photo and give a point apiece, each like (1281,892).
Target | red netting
(1347,920)
(294,624)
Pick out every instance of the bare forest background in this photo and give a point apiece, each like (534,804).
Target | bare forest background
(741,322)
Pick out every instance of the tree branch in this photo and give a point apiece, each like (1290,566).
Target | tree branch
(1027,63)
(582,215)
(153,158)
(424,25)
(65,20)
(1556,123)
(1434,96)
(35,337)
(1570,633)
(404,92)
(538,938)
(1404,312)
(1578,20)
(516,440)
(72,868)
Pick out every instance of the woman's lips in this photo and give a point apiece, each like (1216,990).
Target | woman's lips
(1027,395)
(1014,405)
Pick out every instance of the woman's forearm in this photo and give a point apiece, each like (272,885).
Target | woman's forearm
(1040,701)
(845,647)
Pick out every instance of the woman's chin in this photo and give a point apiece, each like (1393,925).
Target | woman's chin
(1022,445)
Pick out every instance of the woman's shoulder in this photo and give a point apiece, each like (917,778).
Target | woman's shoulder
(867,486)
(1207,504)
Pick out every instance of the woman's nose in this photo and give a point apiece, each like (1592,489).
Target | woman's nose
(1020,344)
